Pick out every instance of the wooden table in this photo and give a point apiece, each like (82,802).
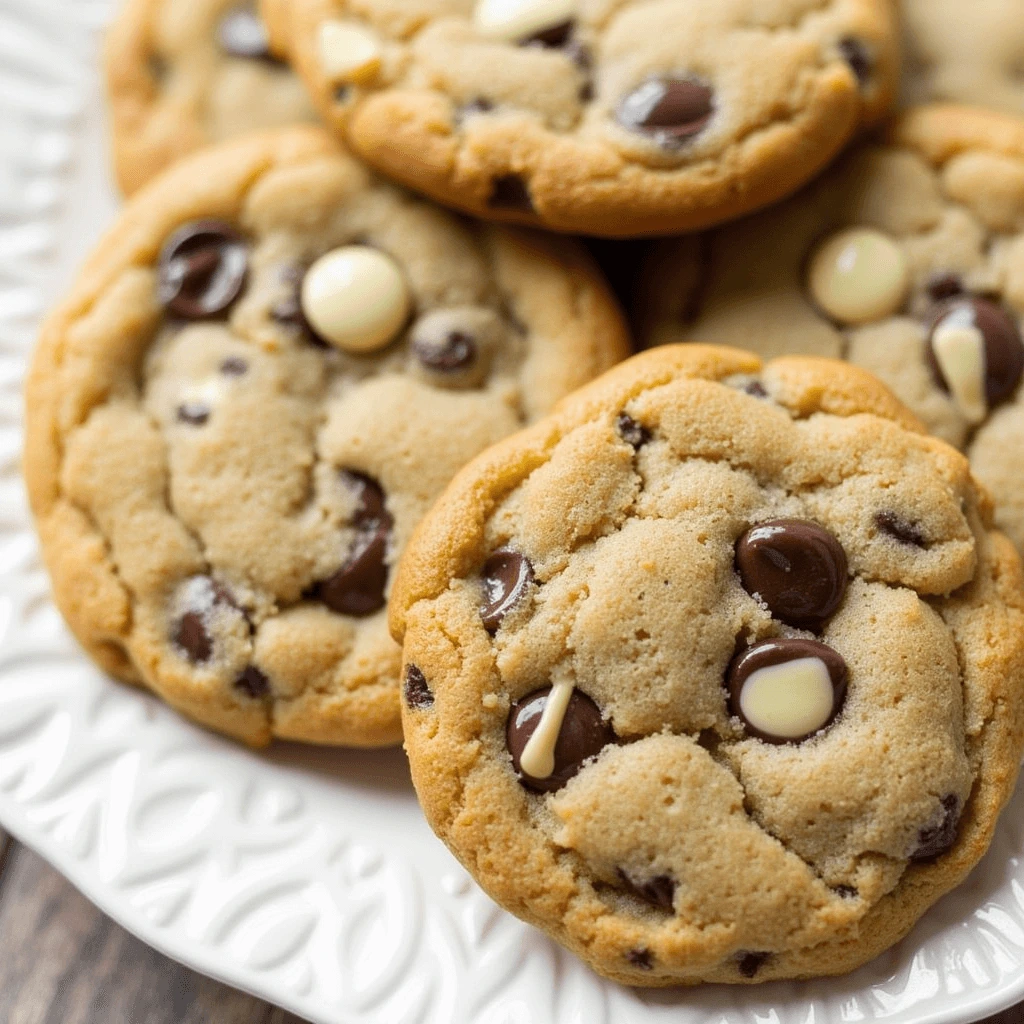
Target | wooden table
(63,962)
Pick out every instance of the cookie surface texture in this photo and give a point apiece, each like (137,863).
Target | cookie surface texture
(624,119)
(615,725)
(223,490)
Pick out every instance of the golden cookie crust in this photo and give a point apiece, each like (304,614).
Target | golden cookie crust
(133,505)
(792,861)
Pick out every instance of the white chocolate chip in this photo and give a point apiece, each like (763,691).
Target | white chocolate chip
(789,700)
(538,756)
(960,352)
(356,298)
(859,275)
(349,52)
(515,20)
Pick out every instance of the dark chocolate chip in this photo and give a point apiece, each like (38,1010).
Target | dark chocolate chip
(756,389)
(748,964)
(632,432)
(640,958)
(846,892)
(659,891)
(234,366)
(1004,349)
(943,286)
(510,192)
(583,735)
(900,529)
(342,93)
(856,55)
(242,34)
(506,576)
(940,837)
(193,413)
(253,683)
(670,110)
(203,269)
(776,652)
(288,310)
(796,567)
(190,631)
(417,692)
(552,37)
(358,587)
(443,352)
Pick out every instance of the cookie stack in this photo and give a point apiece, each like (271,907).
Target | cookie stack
(711,663)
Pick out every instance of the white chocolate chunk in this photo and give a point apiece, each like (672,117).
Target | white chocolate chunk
(349,52)
(514,20)
(960,352)
(789,700)
(538,756)
(356,298)
(859,275)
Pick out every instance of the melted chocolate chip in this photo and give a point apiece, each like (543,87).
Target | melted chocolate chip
(748,964)
(1004,349)
(640,958)
(193,413)
(242,34)
(939,838)
(417,692)
(583,735)
(856,55)
(506,576)
(776,652)
(510,192)
(357,588)
(659,891)
(796,567)
(553,37)
(900,529)
(943,286)
(632,432)
(234,366)
(203,269)
(670,110)
(253,683)
(446,352)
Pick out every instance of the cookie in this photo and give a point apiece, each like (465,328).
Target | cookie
(964,52)
(265,374)
(182,74)
(679,688)
(907,258)
(621,119)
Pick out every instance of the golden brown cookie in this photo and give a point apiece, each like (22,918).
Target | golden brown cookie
(621,119)
(266,372)
(715,674)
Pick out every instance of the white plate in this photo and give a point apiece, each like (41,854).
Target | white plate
(308,877)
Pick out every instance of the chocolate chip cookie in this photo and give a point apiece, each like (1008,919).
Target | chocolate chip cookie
(266,373)
(185,73)
(716,673)
(622,119)
(907,258)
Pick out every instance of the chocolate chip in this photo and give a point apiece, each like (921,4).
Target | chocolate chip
(234,366)
(846,892)
(157,67)
(193,413)
(944,286)
(670,110)
(756,389)
(632,432)
(552,37)
(583,735)
(796,567)
(659,891)
(1003,347)
(748,964)
(510,192)
(447,352)
(288,311)
(357,588)
(417,692)
(242,34)
(342,93)
(203,269)
(856,55)
(190,632)
(812,711)
(253,683)
(900,529)
(506,576)
(939,838)
(640,958)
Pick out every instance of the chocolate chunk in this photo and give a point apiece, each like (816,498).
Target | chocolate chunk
(253,683)
(939,838)
(242,34)
(203,269)
(445,352)
(1003,347)
(796,567)
(551,37)
(417,692)
(748,964)
(803,703)
(510,192)
(900,529)
(193,413)
(583,735)
(856,55)
(659,891)
(632,432)
(670,110)
(358,587)
(943,286)
(506,575)
(234,366)
(640,958)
